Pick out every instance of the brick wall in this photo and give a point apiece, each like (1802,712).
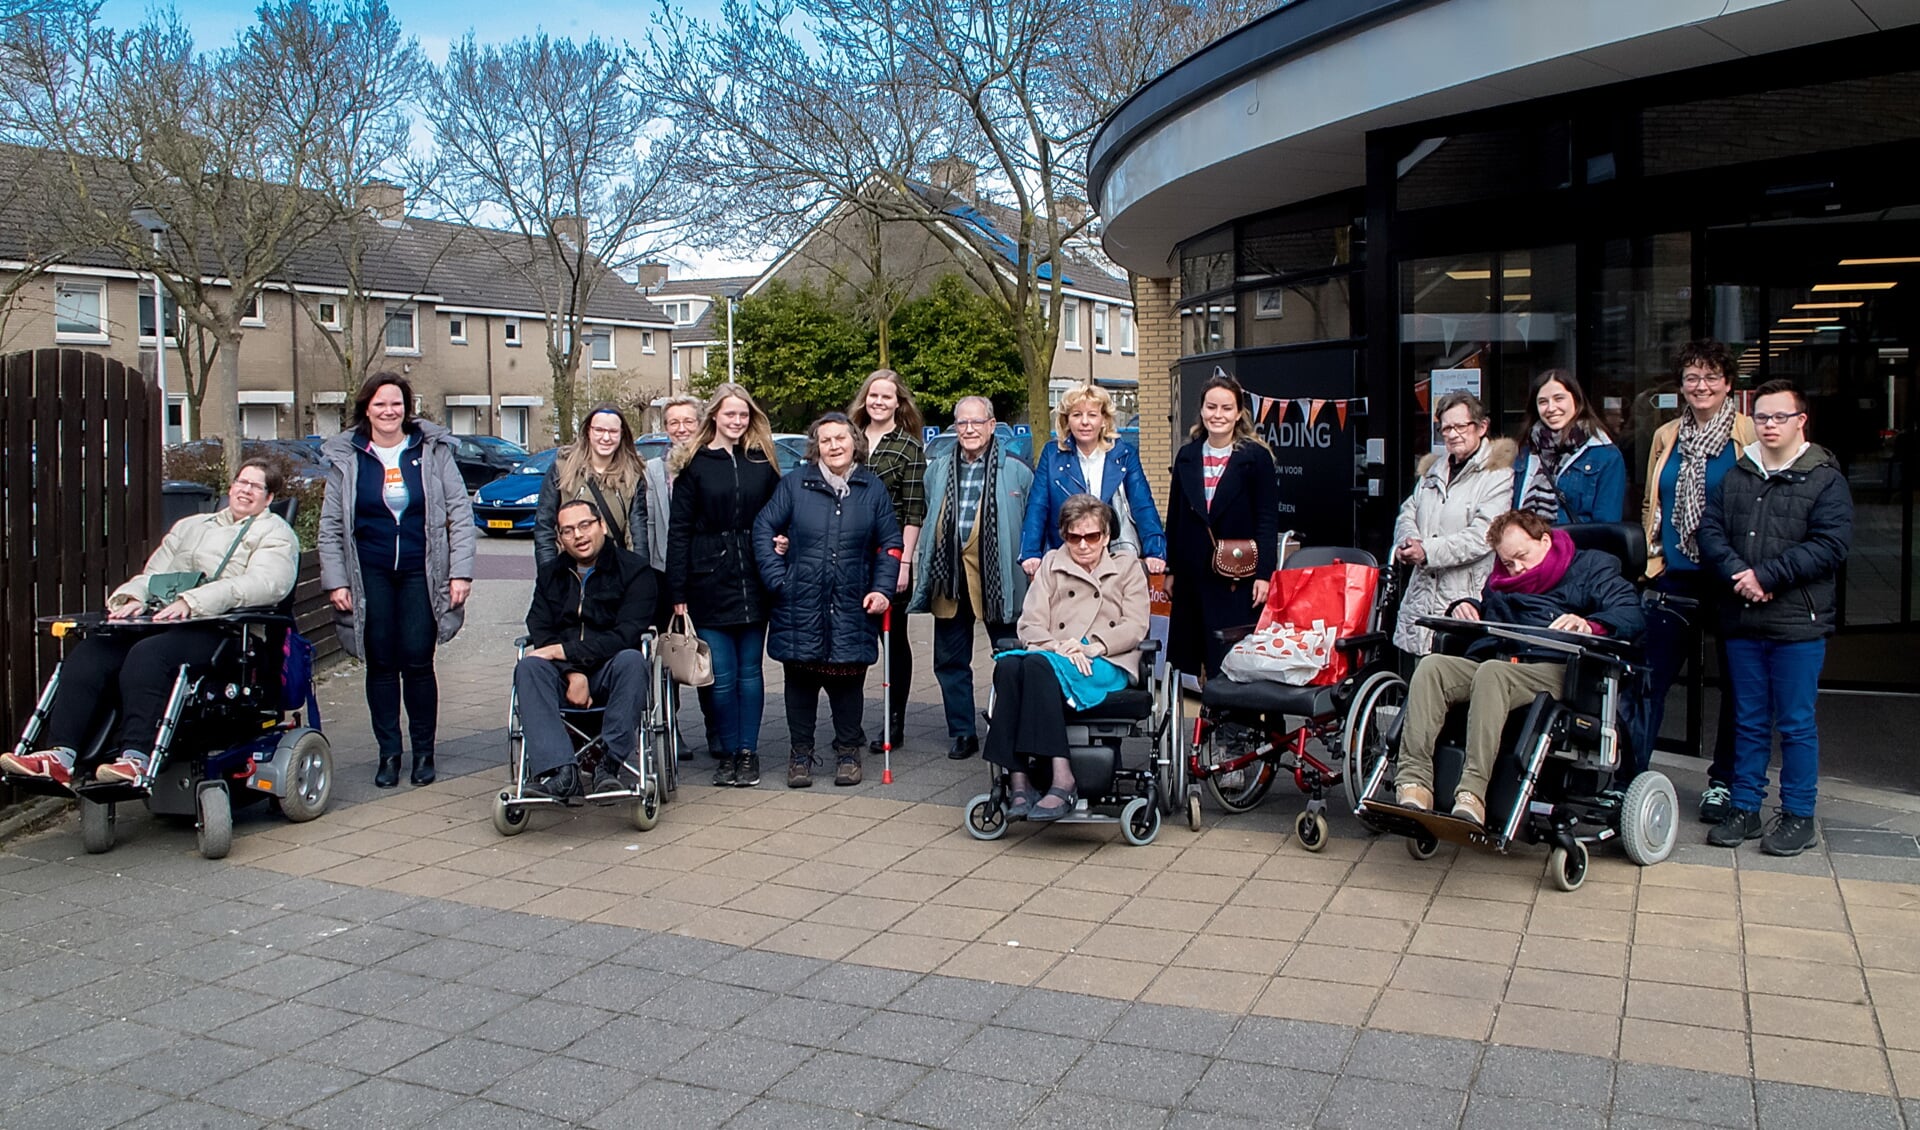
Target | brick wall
(1157,324)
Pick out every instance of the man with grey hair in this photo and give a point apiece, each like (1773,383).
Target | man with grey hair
(680,417)
(966,567)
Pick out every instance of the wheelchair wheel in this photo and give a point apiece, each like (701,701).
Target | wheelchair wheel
(508,819)
(985,819)
(1311,830)
(1422,847)
(309,778)
(215,832)
(646,810)
(1140,821)
(1193,810)
(1255,779)
(1360,737)
(1567,869)
(1649,819)
(96,826)
(1170,745)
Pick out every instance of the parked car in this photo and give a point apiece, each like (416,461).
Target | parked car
(790,449)
(506,505)
(1018,446)
(297,461)
(482,459)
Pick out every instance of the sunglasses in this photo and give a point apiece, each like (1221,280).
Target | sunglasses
(1094,538)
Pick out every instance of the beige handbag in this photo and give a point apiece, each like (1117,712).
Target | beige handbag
(687,656)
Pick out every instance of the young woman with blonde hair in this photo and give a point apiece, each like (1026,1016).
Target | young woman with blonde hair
(1087,458)
(603,467)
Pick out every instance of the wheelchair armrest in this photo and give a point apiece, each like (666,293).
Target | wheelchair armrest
(1234,634)
(1360,642)
(1149,648)
(522,641)
(1669,600)
(269,615)
(1008,643)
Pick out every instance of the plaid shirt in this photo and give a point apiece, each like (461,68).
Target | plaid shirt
(902,466)
(973,485)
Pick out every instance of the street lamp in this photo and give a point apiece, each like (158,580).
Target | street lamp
(156,225)
(729,339)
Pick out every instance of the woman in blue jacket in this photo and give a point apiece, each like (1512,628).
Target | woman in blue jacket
(829,585)
(1568,470)
(1086,459)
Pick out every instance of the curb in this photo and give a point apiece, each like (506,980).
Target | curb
(29,815)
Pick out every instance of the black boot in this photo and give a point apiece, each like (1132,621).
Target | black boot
(746,771)
(423,766)
(879,745)
(388,775)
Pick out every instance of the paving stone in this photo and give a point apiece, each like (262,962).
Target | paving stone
(278,1087)
(955,998)
(1290,1043)
(672,953)
(1432,1061)
(1151,1076)
(290,974)
(89,1102)
(462,1065)
(949,1100)
(777,1114)
(377,1103)
(1628,1120)
(128,992)
(1789,1106)
(182,1066)
(214,959)
(529,973)
(194,1116)
(639,1044)
(478,1114)
(543,1025)
(1209,1120)
(664,1103)
(444,958)
(454,1007)
(1074,1111)
(1172,1028)
(372,1045)
(204,1009)
(26,1079)
(857,985)
(1277,1096)
(364,944)
(293,932)
(568,1089)
(363,904)
(57,971)
(618,988)
(927,1040)
(703,1004)
(802,1020)
(1503,1112)
(438,919)
(368,991)
(1579,1080)
(847,1082)
(275,1025)
(1017,1054)
(104,1046)
(737,1063)
(1694,1096)
(758,969)
(1363,1104)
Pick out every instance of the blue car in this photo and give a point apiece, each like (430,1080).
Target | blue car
(506,505)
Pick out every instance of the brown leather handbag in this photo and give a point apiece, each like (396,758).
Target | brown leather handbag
(1235,558)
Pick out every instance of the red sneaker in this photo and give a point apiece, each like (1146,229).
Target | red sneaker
(130,766)
(55,765)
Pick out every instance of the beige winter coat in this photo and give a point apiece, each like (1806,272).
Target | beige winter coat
(1451,520)
(1106,607)
(261,572)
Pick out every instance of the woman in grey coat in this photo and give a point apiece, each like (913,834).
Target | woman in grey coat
(396,561)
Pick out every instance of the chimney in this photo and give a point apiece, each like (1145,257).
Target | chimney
(573,229)
(1072,210)
(954,175)
(652,274)
(383,200)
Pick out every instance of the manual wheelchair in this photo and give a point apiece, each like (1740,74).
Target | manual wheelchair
(1553,781)
(654,770)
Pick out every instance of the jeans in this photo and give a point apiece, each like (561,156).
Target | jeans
(1779,686)
(1670,643)
(846,697)
(137,669)
(1491,689)
(953,664)
(620,685)
(739,694)
(399,640)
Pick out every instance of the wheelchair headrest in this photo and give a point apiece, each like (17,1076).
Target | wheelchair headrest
(285,508)
(1329,555)
(1626,541)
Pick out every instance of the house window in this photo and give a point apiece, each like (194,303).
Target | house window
(510,331)
(673,365)
(259,421)
(1100,327)
(1070,323)
(1126,331)
(403,330)
(80,312)
(147,328)
(253,314)
(329,314)
(457,329)
(646,341)
(513,424)
(600,348)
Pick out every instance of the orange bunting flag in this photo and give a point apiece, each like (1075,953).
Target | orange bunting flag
(1314,413)
(1340,410)
(1423,392)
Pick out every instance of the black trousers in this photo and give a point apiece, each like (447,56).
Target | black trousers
(900,666)
(133,669)
(1671,642)
(846,696)
(1029,715)
(399,640)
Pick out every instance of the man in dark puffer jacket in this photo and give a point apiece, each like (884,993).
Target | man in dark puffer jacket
(591,606)
(1776,535)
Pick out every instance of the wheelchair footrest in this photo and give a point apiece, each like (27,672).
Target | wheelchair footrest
(1444,827)
(37,786)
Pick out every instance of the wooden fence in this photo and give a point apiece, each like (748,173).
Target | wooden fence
(79,501)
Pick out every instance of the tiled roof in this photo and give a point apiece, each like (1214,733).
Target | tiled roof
(710,322)
(995,220)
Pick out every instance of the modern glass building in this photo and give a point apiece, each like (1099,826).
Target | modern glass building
(1353,203)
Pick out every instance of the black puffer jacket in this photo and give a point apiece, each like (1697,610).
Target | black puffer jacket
(710,542)
(838,551)
(1592,588)
(596,621)
(1793,529)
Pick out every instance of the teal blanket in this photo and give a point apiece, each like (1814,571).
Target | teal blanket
(1083,692)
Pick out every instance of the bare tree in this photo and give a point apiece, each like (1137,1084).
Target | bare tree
(800,107)
(552,141)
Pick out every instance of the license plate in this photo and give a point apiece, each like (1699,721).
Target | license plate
(499,524)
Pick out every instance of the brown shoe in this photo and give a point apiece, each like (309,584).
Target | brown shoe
(1466,806)
(800,768)
(847,771)
(1416,797)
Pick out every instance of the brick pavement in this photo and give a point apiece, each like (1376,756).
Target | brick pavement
(844,958)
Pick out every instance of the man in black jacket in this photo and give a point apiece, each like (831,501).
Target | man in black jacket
(591,606)
(1775,535)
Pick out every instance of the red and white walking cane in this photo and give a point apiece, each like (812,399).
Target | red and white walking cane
(886,696)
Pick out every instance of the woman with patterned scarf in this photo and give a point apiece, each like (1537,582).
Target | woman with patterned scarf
(1569,470)
(1676,496)
(966,568)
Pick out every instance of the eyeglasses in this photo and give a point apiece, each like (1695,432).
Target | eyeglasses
(1769,418)
(1456,429)
(604,433)
(970,425)
(1699,380)
(580,527)
(253,486)
(1094,538)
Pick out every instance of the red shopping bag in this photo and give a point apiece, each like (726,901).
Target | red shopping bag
(1339,594)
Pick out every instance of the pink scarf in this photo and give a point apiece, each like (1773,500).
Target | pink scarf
(1542,577)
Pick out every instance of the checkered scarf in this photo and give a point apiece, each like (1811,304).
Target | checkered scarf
(945,574)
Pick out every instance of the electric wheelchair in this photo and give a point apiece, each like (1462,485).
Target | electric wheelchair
(1553,781)
(654,770)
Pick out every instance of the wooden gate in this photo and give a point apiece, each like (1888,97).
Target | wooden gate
(79,501)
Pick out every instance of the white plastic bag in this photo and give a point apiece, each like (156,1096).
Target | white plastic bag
(1281,653)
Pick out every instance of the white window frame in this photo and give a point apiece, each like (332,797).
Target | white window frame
(99,334)
(510,332)
(146,295)
(257,315)
(412,315)
(330,322)
(646,341)
(603,333)
(457,329)
(673,366)
(1126,331)
(1070,323)
(1102,340)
